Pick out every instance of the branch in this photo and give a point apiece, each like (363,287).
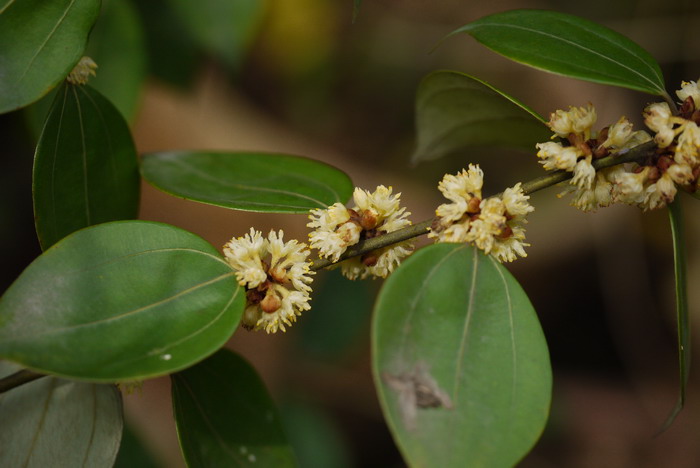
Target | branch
(636,154)
(18,378)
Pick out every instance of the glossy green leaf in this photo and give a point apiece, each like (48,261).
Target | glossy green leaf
(455,111)
(225,416)
(459,360)
(225,29)
(569,45)
(85,167)
(120,301)
(682,316)
(41,42)
(272,183)
(117,45)
(56,422)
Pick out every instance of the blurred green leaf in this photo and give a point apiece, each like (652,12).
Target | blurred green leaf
(316,440)
(339,315)
(569,45)
(85,167)
(42,41)
(455,111)
(132,452)
(225,29)
(117,45)
(460,361)
(56,422)
(225,416)
(172,53)
(683,318)
(272,183)
(120,301)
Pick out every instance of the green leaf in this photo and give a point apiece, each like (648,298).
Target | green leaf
(132,452)
(42,41)
(85,167)
(569,45)
(679,258)
(455,111)
(316,438)
(460,361)
(56,422)
(272,183)
(225,416)
(117,45)
(225,29)
(339,318)
(120,301)
(165,32)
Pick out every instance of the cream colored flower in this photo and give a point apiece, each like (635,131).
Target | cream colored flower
(82,71)
(629,187)
(690,89)
(659,118)
(584,174)
(688,148)
(659,194)
(556,156)
(333,231)
(575,120)
(375,213)
(276,275)
(494,225)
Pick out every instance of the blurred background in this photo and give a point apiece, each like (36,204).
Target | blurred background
(301,78)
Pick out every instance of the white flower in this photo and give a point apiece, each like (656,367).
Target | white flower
(244,255)
(377,264)
(556,156)
(618,133)
(82,71)
(681,174)
(375,213)
(659,194)
(334,231)
(688,148)
(657,116)
(276,275)
(463,186)
(494,225)
(575,120)
(690,89)
(629,187)
(584,174)
(516,202)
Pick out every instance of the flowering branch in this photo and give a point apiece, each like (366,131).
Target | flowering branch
(637,154)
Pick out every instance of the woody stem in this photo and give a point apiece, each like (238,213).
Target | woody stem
(636,154)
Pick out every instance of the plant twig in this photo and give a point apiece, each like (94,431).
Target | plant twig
(18,378)
(638,154)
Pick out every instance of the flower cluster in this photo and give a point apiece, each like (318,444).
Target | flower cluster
(494,225)
(649,185)
(82,71)
(276,276)
(579,146)
(336,228)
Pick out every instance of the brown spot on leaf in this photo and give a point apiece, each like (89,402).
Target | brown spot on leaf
(416,389)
